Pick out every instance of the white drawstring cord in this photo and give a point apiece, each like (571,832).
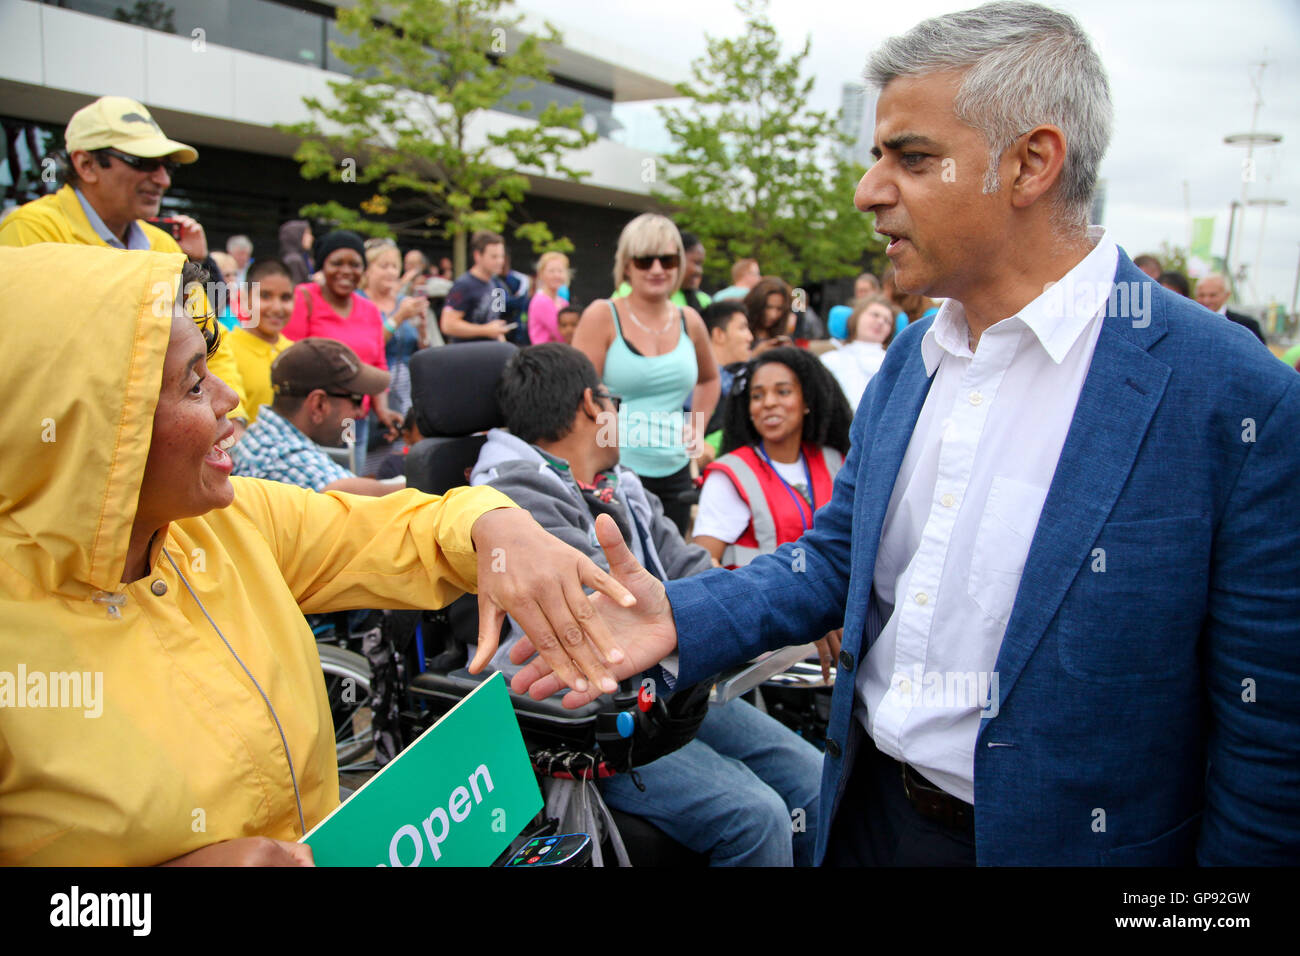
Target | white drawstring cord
(283,741)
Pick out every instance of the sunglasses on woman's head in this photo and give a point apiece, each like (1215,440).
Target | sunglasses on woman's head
(668,260)
(142,164)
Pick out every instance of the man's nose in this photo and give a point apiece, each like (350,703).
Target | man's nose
(873,190)
(160,177)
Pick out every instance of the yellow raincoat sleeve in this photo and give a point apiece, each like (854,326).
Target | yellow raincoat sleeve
(340,551)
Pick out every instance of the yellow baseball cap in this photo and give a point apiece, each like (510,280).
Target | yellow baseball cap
(121,123)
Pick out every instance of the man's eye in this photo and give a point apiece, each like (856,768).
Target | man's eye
(912,159)
(197,388)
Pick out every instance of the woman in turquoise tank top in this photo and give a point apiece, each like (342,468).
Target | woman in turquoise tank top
(654,355)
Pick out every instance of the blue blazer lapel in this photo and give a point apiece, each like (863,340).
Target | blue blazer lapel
(1120,395)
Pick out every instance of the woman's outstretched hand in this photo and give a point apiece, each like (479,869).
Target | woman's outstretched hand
(528,573)
(644,632)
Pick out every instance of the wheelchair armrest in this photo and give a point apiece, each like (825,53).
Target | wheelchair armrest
(741,680)
(458,684)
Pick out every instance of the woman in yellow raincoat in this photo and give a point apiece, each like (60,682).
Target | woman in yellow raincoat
(161,698)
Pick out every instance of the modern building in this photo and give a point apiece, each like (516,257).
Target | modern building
(857,121)
(220,74)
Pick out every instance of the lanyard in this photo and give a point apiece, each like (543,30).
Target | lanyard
(794,496)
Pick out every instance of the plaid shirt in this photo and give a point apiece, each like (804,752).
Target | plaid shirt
(274,448)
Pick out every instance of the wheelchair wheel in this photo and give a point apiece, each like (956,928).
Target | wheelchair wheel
(347,682)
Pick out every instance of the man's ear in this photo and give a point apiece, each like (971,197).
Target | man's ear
(590,406)
(316,403)
(86,166)
(1039,157)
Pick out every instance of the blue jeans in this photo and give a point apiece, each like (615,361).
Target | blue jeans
(735,792)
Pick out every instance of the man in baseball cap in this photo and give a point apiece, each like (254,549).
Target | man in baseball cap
(320,388)
(119,165)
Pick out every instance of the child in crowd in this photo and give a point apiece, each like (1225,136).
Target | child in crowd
(567,321)
(258,339)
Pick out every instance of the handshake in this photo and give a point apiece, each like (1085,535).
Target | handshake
(586,643)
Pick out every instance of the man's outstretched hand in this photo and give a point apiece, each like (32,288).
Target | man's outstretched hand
(528,573)
(645,632)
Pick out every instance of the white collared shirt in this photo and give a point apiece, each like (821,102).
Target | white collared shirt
(963,511)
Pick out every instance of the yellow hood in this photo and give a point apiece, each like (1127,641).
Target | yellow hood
(83,335)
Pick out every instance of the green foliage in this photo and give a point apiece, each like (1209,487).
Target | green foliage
(401,129)
(753,172)
(1172,258)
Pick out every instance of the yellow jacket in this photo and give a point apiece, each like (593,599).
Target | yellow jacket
(254,356)
(60,218)
(176,749)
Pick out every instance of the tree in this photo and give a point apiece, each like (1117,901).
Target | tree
(1173,258)
(408,123)
(756,173)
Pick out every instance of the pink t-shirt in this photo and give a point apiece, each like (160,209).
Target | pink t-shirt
(362,331)
(544,319)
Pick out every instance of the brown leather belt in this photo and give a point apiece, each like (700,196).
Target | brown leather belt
(935,804)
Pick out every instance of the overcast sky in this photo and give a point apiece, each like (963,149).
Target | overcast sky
(1180,74)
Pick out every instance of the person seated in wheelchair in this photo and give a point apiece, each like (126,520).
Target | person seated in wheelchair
(161,697)
(745,790)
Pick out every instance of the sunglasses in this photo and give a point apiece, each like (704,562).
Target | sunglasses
(669,260)
(351,396)
(143,164)
(617,400)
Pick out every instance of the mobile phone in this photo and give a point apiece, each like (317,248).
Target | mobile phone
(510,326)
(569,849)
(167,222)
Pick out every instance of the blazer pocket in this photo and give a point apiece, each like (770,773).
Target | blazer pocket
(1176,847)
(1002,541)
(1135,610)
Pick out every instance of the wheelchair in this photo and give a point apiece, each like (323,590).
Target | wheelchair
(392,675)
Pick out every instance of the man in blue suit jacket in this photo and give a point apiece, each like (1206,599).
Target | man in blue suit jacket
(1071,487)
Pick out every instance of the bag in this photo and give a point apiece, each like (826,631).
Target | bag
(307,297)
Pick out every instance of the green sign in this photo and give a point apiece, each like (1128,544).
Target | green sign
(455,797)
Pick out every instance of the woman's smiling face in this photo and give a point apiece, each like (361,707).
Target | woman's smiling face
(342,269)
(776,405)
(186,474)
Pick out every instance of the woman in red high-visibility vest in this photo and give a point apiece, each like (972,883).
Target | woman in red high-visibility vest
(785,436)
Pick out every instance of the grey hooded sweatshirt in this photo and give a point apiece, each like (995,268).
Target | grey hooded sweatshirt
(553,497)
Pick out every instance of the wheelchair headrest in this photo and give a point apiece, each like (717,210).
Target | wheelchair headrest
(454,388)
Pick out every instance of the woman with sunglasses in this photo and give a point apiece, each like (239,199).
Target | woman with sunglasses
(655,355)
(334,310)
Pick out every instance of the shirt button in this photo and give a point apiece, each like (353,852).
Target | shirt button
(158,587)
(922,598)
(905,686)
(947,501)
(976,398)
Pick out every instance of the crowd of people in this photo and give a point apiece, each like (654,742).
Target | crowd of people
(783,478)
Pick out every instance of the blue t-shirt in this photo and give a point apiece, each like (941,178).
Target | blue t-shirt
(480,302)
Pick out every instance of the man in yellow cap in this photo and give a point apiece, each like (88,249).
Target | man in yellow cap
(119,164)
